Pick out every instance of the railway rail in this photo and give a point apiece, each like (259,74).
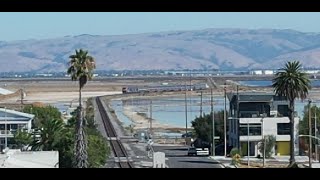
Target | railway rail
(117,147)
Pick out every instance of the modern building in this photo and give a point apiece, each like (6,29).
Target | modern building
(10,122)
(260,114)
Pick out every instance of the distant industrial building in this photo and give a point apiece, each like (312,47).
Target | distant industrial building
(191,73)
(261,72)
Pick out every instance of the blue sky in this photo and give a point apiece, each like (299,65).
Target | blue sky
(42,25)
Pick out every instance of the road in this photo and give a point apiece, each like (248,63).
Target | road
(177,158)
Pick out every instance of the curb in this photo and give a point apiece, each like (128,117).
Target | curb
(223,164)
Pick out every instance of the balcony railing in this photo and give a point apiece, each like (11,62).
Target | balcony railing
(3,132)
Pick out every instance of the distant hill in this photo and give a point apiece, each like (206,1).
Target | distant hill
(224,49)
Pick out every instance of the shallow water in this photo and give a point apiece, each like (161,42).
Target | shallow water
(172,110)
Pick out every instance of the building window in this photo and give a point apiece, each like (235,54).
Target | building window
(14,126)
(254,129)
(22,126)
(283,110)
(2,141)
(283,128)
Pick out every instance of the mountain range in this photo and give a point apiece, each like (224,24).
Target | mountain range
(223,49)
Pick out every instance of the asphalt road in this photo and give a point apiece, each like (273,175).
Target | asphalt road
(178,158)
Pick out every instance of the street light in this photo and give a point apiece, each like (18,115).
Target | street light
(213,130)
(264,139)
(225,119)
(310,133)
(5,128)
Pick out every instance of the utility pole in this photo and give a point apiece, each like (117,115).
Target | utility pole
(264,143)
(21,98)
(201,104)
(315,133)
(21,94)
(225,119)
(237,112)
(186,109)
(5,129)
(151,117)
(310,134)
(213,133)
(248,144)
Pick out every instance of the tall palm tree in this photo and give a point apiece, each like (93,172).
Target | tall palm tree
(292,83)
(81,67)
(51,132)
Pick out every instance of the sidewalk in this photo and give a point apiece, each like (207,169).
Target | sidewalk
(225,161)
(314,165)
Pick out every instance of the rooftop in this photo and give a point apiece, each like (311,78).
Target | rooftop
(10,113)
(29,159)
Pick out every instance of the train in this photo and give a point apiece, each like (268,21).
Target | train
(164,88)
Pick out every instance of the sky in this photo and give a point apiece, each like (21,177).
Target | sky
(45,25)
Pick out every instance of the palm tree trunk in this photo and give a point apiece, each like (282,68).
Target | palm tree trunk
(291,110)
(81,141)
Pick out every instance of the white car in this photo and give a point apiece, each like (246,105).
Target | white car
(202,151)
(198,151)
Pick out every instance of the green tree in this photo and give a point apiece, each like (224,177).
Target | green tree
(42,114)
(81,69)
(291,83)
(98,151)
(51,132)
(304,124)
(269,142)
(203,126)
(22,138)
(65,148)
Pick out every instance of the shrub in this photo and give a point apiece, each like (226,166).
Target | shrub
(236,155)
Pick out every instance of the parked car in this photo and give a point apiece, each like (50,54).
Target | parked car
(192,151)
(189,134)
(198,143)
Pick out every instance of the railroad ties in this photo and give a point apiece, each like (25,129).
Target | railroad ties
(121,156)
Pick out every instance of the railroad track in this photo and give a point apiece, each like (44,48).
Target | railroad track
(117,147)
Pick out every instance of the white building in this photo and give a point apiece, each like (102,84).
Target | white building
(262,72)
(268,72)
(29,159)
(264,114)
(11,121)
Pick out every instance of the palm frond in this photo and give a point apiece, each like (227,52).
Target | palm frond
(81,66)
(291,82)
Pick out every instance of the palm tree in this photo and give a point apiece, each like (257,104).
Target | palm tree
(50,133)
(81,67)
(291,83)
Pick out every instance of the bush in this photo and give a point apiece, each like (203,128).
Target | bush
(234,151)
(270,143)
(236,155)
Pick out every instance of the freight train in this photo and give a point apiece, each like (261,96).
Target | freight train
(164,88)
